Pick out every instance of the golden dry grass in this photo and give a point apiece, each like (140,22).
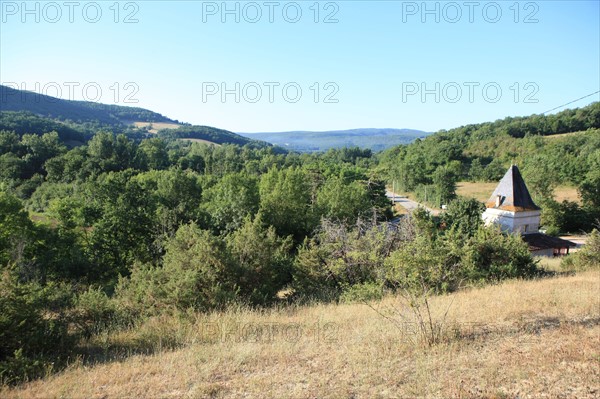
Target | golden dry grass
(483,191)
(480,191)
(562,135)
(550,264)
(566,193)
(524,339)
(156,126)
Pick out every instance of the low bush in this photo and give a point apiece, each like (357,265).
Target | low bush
(34,330)
(586,258)
(369,291)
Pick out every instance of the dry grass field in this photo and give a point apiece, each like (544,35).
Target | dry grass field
(156,126)
(562,135)
(525,339)
(483,191)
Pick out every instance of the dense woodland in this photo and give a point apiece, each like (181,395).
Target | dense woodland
(125,227)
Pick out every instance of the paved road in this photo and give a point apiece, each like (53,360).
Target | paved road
(408,204)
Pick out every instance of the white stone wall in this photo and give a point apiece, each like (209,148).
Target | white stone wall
(513,222)
(549,252)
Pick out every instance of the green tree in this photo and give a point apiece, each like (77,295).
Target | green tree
(31,341)
(11,166)
(341,200)
(423,265)
(154,152)
(16,233)
(464,215)
(476,172)
(176,195)
(9,142)
(587,257)
(231,200)
(285,202)
(444,181)
(123,231)
(491,255)
(590,190)
(39,149)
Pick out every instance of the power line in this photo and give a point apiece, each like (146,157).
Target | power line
(571,102)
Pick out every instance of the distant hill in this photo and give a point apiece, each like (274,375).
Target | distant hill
(214,135)
(29,112)
(74,111)
(306,141)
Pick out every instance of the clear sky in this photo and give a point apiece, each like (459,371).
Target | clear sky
(308,65)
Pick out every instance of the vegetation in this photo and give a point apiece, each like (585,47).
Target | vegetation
(137,229)
(586,258)
(74,111)
(77,121)
(538,336)
(481,153)
(207,133)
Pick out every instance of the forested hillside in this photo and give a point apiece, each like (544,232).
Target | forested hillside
(74,111)
(75,122)
(563,148)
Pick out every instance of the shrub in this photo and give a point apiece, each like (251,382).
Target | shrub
(423,264)
(33,328)
(19,367)
(369,291)
(196,273)
(94,311)
(340,257)
(261,261)
(491,255)
(586,258)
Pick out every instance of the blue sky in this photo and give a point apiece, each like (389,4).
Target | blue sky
(421,65)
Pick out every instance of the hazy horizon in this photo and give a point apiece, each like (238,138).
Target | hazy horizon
(287,66)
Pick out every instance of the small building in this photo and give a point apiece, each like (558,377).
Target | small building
(512,207)
(544,245)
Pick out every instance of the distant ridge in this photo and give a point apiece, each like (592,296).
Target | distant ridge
(29,112)
(375,139)
(75,111)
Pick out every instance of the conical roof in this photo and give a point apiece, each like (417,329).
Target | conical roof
(512,194)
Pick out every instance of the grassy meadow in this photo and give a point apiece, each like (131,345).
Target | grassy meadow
(526,339)
(156,126)
(483,191)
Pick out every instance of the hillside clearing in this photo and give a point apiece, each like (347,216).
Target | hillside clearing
(483,191)
(156,126)
(562,135)
(537,338)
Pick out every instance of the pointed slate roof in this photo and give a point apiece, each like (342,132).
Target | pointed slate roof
(513,193)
